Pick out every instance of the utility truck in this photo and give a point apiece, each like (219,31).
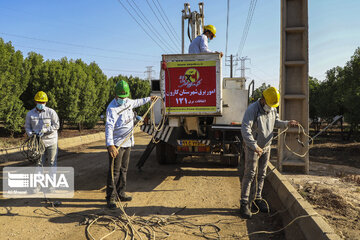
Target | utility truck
(202,110)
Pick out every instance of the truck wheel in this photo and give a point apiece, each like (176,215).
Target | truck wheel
(165,153)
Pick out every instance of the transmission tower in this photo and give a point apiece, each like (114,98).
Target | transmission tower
(149,72)
(242,67)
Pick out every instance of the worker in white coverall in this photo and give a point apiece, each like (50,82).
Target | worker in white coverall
(257,128)
(43,122)
(200,43)
(119,124)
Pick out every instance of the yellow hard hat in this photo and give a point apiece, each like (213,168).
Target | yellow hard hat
(210,28)
(272,97)
(41,97)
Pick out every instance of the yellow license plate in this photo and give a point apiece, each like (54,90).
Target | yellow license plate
(188,143)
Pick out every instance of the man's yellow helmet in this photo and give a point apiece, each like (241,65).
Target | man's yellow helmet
(210,28)
(41,97)
(272,97)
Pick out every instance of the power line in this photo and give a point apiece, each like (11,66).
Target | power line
(247,25)
(167,22)
(171,26)
(227,26)
(91,55)
(73,45)
(148,24)
(120,70)
(159,21)
(141,26)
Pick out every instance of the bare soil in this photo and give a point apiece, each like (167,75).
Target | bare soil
(210,193)
(199,193)
(333,185)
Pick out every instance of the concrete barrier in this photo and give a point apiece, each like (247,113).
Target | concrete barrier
(311,227)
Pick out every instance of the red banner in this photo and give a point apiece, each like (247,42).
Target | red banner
(190,86)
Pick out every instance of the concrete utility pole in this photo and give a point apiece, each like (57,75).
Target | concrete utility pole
(233,61)
(294,84)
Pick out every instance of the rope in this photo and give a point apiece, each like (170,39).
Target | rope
(160,126)
(300,127)
(152,228)
(33,148)
(279,230)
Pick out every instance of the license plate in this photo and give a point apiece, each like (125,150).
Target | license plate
(194,143)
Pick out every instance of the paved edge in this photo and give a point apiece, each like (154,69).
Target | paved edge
(312,227)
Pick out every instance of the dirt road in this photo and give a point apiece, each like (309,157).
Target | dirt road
(209,194)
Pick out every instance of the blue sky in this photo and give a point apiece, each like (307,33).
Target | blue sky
(103,32)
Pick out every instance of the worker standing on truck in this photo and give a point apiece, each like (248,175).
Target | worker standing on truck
(200,43)
(258,125)
(120,124)
(43,122)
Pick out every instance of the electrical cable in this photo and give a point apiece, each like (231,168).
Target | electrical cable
(171,27)
(149,25)
(148,227)
(33,148)
(75,45)
(141,26)
(120,70)
(253,202)
(300,128)
(171,30)
(89,55)
(147,1)
(279,230)
(247,26)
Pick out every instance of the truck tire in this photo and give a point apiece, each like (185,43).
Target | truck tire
(165,153)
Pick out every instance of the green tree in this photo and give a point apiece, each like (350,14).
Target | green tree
(139,89)
(14,76)
(258,92)
(94,94)
(314,88)
(34,62)
(350,89)
(330,98)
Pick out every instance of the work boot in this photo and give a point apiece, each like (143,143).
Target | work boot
(244,210)
(111,203)
(125,198)
(261,205)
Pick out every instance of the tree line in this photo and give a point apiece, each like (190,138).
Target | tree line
(77,91)
(338,94)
